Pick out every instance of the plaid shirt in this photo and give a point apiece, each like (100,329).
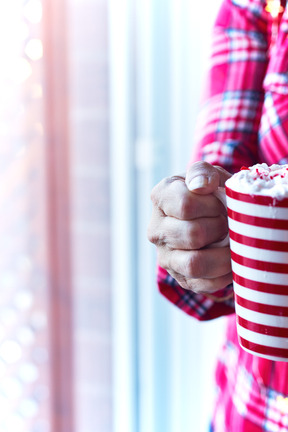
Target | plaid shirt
(243,120)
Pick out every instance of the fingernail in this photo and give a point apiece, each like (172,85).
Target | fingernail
(198,182)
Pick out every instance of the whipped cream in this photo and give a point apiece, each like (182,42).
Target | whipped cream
(261,179)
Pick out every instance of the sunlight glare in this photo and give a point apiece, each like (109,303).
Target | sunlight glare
(10,351)
(34,49)
(33,11)
(12,29)
(36,91)
(20,70)
(13,32)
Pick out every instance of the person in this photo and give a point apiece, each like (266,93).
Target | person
(243,120)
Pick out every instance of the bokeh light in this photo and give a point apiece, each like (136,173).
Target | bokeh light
(34,49)
(33,11)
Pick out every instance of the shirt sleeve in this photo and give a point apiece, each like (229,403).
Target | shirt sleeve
(273,131)
(228,123)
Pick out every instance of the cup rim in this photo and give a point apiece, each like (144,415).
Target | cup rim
(255,198)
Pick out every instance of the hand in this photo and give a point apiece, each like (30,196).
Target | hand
(187,218)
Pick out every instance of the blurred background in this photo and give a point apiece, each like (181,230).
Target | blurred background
(98,102)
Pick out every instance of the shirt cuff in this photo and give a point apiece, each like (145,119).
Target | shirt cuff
(223,295)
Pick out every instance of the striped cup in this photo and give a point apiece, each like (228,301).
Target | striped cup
(258,230)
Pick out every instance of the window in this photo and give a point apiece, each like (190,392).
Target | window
(160,355)
(98,103)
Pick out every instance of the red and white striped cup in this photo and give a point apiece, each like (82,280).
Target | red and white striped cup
(258,229)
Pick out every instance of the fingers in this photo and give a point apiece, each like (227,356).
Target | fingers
(209,285)
(198,264)
(187,235)
(183,223)
(172,198)
(203,178)
(202,286)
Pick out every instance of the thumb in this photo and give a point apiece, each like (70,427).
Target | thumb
(204,178)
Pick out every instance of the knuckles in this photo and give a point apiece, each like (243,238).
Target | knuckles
(155,232)
(196,235)
(184,206)
(164,259)
(194,265)
(155,237)
(152,236)
(157,190)
(168,194)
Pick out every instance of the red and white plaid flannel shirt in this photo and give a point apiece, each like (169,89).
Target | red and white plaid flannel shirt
(243,120)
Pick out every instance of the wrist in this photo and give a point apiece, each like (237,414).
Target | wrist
(222,295)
